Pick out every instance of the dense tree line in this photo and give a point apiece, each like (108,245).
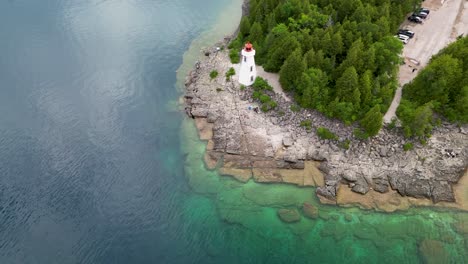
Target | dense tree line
(441,88)
(336,56)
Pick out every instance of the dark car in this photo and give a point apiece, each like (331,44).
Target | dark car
(425,10)
(420,14)
(415,19)
(406,32)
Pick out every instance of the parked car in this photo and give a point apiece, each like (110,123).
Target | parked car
(402,38)
(406,32)
(425,10)
(415,19)
(421,15)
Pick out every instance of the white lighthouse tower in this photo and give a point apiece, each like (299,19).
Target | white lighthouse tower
(248,72)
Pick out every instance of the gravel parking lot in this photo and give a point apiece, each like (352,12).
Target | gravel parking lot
(447,20)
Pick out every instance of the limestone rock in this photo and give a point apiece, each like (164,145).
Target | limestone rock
(442,191)
(289,215)
(361,186)
(287,142)
(328,191)
(380,185)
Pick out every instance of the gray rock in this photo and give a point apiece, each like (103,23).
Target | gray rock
(211,117)
(442,191)
(360,186)
(380,185)
(383,151)
(349,175)
(328,191)
(287,142)
(199,112)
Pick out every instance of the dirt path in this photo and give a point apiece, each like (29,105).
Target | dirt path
(437,31)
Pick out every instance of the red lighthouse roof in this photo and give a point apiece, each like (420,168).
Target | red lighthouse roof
(248,46)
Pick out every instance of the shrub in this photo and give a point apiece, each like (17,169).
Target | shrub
(256,95)
(408,146)
(230,73)
(324,133)
(234,56)
(213,74)
(242,87)
(265,98)
(261,84)
(268,106)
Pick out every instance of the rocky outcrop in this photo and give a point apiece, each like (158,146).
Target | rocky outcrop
(273,147)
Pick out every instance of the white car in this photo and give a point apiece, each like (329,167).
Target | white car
(403,38)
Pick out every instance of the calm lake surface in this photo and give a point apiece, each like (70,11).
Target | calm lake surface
(98,165)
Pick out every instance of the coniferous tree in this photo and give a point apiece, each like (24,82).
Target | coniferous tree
(292,70)
(372,121)
(346,85)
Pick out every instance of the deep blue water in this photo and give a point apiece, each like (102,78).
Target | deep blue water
(89,152)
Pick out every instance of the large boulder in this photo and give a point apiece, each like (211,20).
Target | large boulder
(328,191)
(380,185)
(361,186)
(289,215)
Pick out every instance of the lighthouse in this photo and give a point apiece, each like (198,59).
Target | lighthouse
(248,72)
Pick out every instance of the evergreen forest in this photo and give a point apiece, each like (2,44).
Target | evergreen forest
(336,56)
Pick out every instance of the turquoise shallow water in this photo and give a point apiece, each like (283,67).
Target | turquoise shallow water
(97,164)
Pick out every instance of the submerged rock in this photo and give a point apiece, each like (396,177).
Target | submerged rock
(289,215)
(310,211)
(433,251)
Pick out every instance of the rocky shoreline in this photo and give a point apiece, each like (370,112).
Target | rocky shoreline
(273,147)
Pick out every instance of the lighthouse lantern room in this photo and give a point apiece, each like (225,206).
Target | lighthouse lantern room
(248,72)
